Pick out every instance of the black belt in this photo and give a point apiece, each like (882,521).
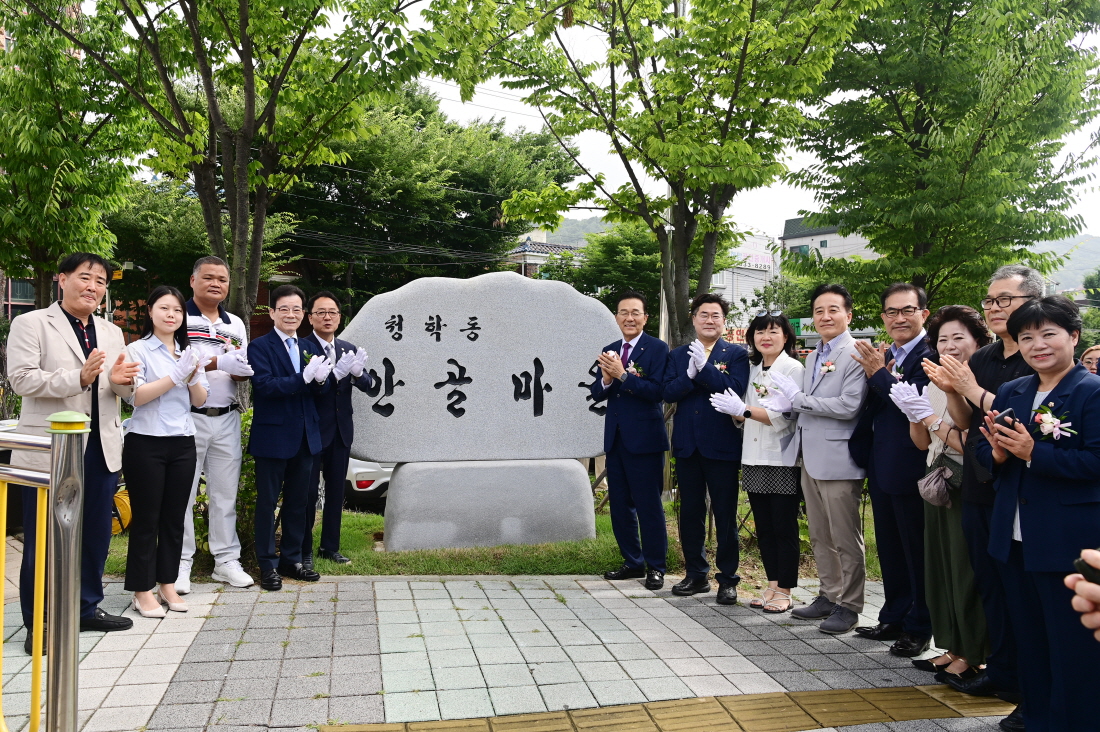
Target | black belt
(214,411)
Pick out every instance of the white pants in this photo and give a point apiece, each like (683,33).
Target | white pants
(218,445)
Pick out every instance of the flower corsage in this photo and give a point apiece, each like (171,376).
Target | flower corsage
(826,368)
(634,368)
(1050,425)
(761,390)
(721,366)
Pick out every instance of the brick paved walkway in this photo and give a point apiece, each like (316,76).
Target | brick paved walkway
(372,650)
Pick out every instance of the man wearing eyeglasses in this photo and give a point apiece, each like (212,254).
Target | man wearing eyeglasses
(337,430)
(970,389)
(285,435)
(894,465)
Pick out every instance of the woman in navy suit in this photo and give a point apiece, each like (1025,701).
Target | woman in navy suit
(1047,477)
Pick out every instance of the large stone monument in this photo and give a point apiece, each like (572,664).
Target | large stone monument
(481,395)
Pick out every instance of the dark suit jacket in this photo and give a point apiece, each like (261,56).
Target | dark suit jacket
(697,426)
(282,403)
(634,406)
(1059,495)
(881,442)
(334,405)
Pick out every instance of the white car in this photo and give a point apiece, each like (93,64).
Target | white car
(367,484)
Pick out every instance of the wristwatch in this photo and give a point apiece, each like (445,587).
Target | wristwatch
(748,413)
(622,377)
(935,425)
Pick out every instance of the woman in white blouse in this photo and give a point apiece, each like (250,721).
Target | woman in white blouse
(158,456)
(773,488)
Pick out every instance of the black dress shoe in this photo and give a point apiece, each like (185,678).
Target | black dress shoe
(689,586)
(332,557)
(1013,722)
(910,646)
(727,594)
(271,581)
(105,623)
(654,579)
(27,643)
(307,560)
(925,664)
(980,685)
(881,632)
(624,572)
(942,676)
(298,572)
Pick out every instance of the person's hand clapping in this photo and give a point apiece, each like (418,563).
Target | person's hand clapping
(185,367)
(309,372)
(124,372)
(343,365)
(728,402)
(958,372)
(324,368)
(940,377)
(786,386)
(909,400)
(870,358)
(93,367)
(697,358)
(359,364)
(1086,599)
(234,363)
(777,401)
(201,362)
(611,365)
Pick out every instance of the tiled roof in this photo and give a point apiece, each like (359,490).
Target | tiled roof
(795,228)
(539,247)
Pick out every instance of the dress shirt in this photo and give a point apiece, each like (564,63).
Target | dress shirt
(823,351)
(169,415)
(762,444)
(294,349)
(900,353)
(85,336)
(633,345)
(213,338)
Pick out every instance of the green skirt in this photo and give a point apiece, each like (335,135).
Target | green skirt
(958,620)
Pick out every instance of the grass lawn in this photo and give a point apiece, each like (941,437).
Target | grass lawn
(593,556)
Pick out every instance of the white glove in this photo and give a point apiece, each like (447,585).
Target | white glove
(201,362)
(343,366)
(360,363)
(309,373)
(697,358)
(728,403)
(234,363)
(785,385)
(185,366)
(777,402)
(915,405)
(324,368)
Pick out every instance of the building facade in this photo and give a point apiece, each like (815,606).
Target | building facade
(799,238)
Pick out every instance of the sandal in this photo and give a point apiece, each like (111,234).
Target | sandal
(926,664)
(759,602)
(772,606)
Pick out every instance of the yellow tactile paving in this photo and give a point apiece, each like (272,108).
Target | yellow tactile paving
(783,712)
(767,713)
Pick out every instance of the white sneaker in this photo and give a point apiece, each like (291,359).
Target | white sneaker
(233,573)
(183,581)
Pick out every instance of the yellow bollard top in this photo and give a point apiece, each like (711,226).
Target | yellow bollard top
(68,422)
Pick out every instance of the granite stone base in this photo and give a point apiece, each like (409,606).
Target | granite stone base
(488,503)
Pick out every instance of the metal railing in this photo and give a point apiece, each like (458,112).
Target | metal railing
(60,505)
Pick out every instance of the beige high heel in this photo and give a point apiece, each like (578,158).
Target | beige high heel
(158,613)
(176,607)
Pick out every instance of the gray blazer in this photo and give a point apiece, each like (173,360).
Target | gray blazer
(827,413)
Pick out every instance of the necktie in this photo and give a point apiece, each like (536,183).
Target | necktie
(292,348)
(626,355)
(328,353)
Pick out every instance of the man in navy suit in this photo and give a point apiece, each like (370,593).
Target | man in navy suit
(632,373)
(894,465)
(337,430)
(285,435)
(707,446)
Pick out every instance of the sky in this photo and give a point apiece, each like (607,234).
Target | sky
(761,210)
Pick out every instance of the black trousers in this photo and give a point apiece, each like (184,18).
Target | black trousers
(899,532)
(290,477)
(1001,662)
(100,485)
(696,476)
(159,472)
(776,516)
(333,464)
(634,485)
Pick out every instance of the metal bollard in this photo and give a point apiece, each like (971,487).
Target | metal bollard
(66,497)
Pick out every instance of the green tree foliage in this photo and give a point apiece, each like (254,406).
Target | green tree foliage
(626,257)
(1091,335)
(696,106)
(1091,286)
(419,197)
(939,139)
(61,152)
(240,96)
(787,293)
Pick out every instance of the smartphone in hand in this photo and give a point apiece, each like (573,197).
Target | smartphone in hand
(1091,573)
(1006,418)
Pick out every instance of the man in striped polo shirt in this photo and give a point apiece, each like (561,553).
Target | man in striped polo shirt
(215,332)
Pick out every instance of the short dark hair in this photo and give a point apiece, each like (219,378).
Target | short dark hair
(211,259)
(894,289)
(181,331)
(709,297)
(968,316)
(632,295)
(75,261)
(318,295)
(826,289)
(286,291)
(763,322)
(1057,310)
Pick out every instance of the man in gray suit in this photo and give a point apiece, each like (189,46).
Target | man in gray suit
(827,406)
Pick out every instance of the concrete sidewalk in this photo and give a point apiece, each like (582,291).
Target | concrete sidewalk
(400,649)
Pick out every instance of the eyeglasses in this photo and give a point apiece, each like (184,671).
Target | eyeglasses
(283,310)
(630,313)
(773,313)
(1003,301)
(704,317)
(908,310)
(326,313)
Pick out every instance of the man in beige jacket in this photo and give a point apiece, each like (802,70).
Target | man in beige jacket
(56,362)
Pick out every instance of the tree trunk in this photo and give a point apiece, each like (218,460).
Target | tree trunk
(43,287)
